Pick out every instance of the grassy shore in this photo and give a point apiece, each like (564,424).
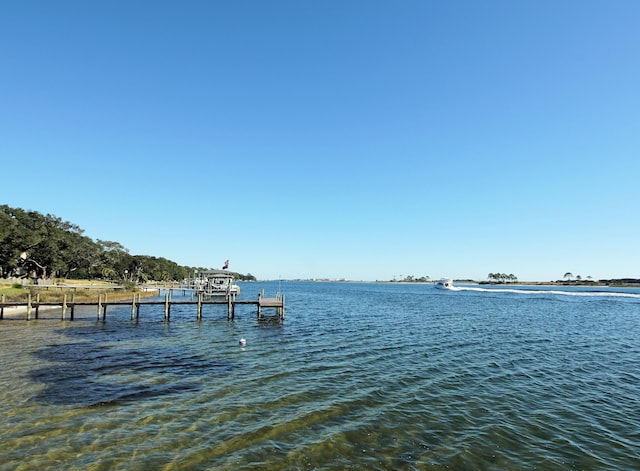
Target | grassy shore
(82,290)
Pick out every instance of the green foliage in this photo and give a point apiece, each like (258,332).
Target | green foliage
(247,277)
(502,277)
(128,285)
(412,279)
(38,246)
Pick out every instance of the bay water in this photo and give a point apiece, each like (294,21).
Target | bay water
(380,376)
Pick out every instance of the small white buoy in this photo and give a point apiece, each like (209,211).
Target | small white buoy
(243,342)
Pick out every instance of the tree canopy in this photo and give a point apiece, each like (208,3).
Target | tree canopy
(44,246)
(502,277)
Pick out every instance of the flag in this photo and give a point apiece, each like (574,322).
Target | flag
(226,265)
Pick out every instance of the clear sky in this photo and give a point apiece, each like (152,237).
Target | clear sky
(358,139)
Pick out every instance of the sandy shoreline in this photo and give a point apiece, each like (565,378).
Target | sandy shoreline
(17,312)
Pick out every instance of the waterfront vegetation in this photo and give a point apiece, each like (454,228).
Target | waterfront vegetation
(411,279)
(502,277)
(80,290)
(36,247)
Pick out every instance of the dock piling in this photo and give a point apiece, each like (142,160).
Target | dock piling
(102,305)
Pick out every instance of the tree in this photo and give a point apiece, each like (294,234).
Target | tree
(43,246)
(109,273)
(568,276)
(9,239)
(40,242)
(80,256)
(115,256)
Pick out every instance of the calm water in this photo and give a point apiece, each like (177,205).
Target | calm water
(358,376)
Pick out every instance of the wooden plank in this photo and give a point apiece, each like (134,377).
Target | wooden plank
(271,302)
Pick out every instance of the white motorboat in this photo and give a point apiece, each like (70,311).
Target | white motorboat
(445,283)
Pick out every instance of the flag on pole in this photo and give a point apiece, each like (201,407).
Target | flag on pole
(226,265)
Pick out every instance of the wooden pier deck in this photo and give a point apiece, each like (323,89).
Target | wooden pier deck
(33,307)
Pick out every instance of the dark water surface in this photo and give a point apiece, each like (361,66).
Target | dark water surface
(358,376)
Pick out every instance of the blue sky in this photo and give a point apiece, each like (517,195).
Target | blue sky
(338,139)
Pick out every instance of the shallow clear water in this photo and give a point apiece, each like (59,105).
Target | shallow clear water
(358,376)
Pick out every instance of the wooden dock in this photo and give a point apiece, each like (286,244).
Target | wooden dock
(33,306)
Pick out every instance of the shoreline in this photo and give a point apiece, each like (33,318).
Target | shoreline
(594,284)
(17,312)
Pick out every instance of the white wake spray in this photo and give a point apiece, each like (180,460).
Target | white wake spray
(558,292)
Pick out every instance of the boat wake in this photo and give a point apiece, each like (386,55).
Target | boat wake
(614,294)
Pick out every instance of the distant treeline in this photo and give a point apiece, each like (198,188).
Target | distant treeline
(611,282)
(621,281)
(44,246)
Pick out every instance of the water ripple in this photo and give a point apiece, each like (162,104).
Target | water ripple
(359,376)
